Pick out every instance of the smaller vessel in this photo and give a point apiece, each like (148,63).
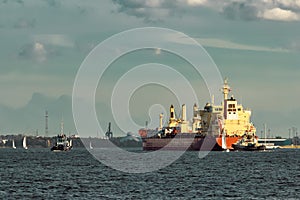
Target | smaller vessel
(248,142)
(25,143)
(91,147)
(62,143)
(13,144)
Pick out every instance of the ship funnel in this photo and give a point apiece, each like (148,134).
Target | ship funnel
(183,112)
(161,116)
(172,112)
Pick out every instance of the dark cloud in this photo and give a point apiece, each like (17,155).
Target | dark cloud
(158,10)
(240,10)
(13,1)
(151,12)
(247,10)
(287,5)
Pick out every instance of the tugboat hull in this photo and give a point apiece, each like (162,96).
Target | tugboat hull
(60,148)
(248,148)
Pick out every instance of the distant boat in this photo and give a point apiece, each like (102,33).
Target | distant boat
(13,144)
(62,142)
(248,143)
(71,143)
(91,147)
(24,143)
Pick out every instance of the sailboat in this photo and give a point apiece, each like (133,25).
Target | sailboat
(91,147)
(24,143)
(223,134)
(13,144)
(224,144)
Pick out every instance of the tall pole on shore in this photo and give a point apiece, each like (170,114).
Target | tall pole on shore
(265,129)
(146,127)
(46,123)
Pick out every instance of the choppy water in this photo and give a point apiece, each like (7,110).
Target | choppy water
(41,174)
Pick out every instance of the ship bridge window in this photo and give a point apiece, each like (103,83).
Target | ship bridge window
(231,105)
(239,109)
(232,110)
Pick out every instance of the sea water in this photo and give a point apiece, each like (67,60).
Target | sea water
(42,174)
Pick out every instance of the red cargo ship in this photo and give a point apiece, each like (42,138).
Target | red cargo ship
(216,127)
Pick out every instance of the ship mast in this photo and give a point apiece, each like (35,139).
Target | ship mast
(226,89)
(62,127)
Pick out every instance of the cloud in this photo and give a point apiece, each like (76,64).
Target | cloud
(159,10)
(240,10)
(54,39)
(288,4)
(149,10)
(24,23)
(280,15)
(224,44)
(35,51)
(44,46)
(275,10)
(218,43)
(13,1)
(196,2)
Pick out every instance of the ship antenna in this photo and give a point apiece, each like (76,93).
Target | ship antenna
(62,126)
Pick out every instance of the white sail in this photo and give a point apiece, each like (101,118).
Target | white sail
(223,133)
(13,144)
(24,143)
(91,147)
(224,145)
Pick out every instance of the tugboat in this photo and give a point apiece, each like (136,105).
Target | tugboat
(248,142)
(62,142)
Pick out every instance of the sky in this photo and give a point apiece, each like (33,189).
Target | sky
(256,44)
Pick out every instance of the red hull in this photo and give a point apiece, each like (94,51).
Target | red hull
(209,143)
(229,141)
